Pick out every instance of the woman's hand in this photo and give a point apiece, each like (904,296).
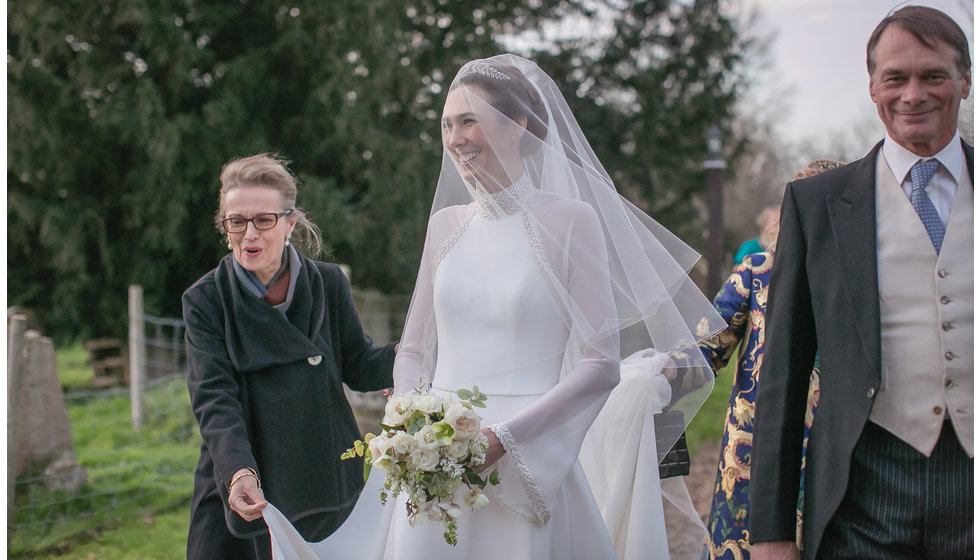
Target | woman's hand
(245,497)
(669,369)
(776,550)
(496,449)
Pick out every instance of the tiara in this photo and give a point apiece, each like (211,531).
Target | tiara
(487,70)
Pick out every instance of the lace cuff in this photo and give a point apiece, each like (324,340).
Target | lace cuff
(541,511)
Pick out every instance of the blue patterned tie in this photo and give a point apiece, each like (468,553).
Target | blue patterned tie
(921,173)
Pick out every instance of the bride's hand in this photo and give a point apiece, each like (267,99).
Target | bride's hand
(496,449)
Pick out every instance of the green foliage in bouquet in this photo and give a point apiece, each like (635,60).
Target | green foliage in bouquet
(429,447)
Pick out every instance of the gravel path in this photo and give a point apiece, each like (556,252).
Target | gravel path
(686,544)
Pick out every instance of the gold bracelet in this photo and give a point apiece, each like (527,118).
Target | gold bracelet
(251,472)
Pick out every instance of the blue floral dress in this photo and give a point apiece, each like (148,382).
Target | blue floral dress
(741,301)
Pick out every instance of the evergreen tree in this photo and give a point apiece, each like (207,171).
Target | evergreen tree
(120,115)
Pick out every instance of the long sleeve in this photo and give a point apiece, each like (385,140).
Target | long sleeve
(415,362)
(733,303)
(213,388)
(364,366)
(781,401)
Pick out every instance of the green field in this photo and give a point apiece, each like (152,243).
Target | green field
(134,504)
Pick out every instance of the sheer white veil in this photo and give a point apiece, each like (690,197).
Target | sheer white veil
(512,146)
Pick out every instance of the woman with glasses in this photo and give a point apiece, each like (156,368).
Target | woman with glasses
(272,336)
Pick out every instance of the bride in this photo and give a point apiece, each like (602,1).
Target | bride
(536,279)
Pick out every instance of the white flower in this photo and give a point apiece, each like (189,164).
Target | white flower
(452,510)
(475,499)
(380,446)
(423,459)
(463,420)
(402,444)
(458,450)
(427,437)
(397,409)
(428,403)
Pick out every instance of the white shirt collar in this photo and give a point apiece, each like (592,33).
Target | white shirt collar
(900,160)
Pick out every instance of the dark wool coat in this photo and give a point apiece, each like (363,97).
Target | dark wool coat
(267,391)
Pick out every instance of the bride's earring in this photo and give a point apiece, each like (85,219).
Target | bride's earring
(288,235)
(229,243)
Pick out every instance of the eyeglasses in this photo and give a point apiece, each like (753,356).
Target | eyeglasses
(263,221)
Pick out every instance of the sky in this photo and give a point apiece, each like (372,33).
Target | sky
(818,58)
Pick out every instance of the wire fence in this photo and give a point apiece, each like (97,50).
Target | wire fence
(89,465)
(108,471)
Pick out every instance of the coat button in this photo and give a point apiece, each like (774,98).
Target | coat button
(944,300)
(871,392)
(947,325)
(314,360)
(942,274)
(950,355)
(937,410)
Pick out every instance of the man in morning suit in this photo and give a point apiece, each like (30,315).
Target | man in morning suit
(875,270)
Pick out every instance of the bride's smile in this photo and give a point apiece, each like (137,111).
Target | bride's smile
(481,141)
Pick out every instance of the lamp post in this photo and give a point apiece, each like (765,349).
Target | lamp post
(715,167)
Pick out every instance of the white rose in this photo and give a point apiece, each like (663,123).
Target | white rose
(402,444)
(428,403)
(458,450)
(423,459)
(463,420)
(380,458)
(397,409)
(427,437)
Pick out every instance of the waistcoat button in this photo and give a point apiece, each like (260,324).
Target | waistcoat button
(947,325)
(944,300)
(937,410)
(948,384)
(950,355)
(942,274)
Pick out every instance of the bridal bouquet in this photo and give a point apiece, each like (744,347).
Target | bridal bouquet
(428,448)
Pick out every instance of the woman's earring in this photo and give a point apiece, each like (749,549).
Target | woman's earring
(229,243)
(288,235)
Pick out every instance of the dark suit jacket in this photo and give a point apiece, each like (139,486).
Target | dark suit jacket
(267,391)
(823,293)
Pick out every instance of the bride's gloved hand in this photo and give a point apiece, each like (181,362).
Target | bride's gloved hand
(496,449)
(245,496)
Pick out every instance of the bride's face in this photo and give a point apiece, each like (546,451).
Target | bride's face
(484,144)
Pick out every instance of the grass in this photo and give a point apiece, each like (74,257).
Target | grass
(131,476)
(73,369)
(148,537)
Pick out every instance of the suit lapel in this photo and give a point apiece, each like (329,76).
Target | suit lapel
(852,221)
(968,150)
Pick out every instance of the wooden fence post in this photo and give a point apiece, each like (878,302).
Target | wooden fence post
(137,354)
(15,356)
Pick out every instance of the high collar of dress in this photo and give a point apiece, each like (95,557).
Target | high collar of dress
(505,202)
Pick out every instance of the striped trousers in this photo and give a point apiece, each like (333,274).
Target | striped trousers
(901,504)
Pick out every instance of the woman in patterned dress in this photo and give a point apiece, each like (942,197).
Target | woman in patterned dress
(741,301)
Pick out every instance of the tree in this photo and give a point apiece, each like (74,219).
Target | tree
(120,115)
(646,87)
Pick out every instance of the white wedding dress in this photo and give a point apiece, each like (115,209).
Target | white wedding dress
(499,327)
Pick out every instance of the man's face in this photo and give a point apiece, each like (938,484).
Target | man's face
(917,90)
